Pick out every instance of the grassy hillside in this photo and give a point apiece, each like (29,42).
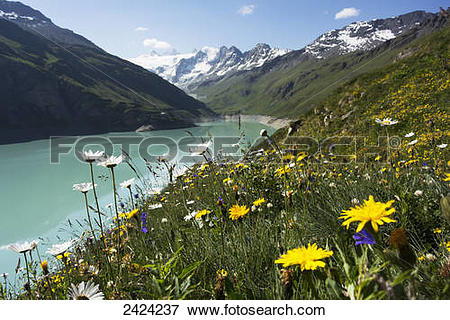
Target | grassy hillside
(294,83)
(49,90)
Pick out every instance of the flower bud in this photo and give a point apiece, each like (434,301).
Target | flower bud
(445,208)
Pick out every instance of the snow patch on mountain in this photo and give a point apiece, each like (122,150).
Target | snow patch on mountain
(186,70)
(14,16)
(364,35)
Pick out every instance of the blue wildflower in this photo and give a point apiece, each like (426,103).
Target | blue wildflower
(144,222)
(363,237)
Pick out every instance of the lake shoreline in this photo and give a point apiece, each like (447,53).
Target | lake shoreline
(276,123)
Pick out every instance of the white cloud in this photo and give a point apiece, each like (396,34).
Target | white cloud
(157,44)
(141,29)
(246,10)
(347,13)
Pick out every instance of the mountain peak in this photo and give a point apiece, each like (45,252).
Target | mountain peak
(364,35)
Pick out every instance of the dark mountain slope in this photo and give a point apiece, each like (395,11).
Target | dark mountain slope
(46,90)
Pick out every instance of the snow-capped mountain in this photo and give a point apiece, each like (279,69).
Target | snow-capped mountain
(187,70)
(364,35)
(33,20)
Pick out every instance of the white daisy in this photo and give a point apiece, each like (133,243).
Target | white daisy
(263,133)
(127,183)
(190,216)
(83,187)
(409,135)
(386,122)
(58,249)
(23,247)
(85,291)
(154,206)
(442,146)
(111,161)
(4,275)
(91,156)
(418,193)
(413,142)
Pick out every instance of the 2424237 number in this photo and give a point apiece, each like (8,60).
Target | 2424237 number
(150,310)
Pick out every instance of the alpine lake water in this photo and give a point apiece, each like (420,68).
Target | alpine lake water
(37,200)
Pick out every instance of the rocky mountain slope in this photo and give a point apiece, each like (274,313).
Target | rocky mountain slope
(48,90)
(295,82)
(187,71)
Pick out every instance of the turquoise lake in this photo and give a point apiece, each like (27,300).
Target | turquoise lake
(37,200)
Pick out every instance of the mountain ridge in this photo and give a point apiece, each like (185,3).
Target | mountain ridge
(48,90)
(189,70)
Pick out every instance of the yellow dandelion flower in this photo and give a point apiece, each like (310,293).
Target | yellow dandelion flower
(222,273)
(202,213)
(309,258)
(65,255)
(371,211)
(283,170)
(288,157)
(447,177)
(227,180)
(437,230)
(259,202)
(238,211)
(132,213)
(302,156)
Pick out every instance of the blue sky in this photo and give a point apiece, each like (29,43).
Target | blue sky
(186,25)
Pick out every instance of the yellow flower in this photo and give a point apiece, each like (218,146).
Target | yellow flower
(227,180)
(371,211)
(44,266)
(421,258)
(238,211)
(302,156)
(288,156)
(65,255)
(378,158)
(447,177)
(222,273)
(200,214)
(307,257)
(437,230)
(132,213)
(259,202)
(283,170)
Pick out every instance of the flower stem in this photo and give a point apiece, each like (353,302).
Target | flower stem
(88,215)
(113,178)
(28,274)
(131,197)
(96,199)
